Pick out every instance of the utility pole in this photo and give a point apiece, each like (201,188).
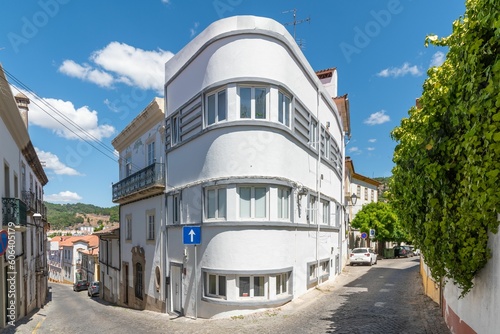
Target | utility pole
(295,22)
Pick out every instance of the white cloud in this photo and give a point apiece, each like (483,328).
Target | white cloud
(438,59)
(377,118)
(354,149)
(370,148)
(166,2)
(65,120)
(52,162)
(193,29)
(86,73)
(122,63)
(400,71)
(372,140)
(63,196)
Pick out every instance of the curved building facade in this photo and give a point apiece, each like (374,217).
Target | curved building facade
(255,164)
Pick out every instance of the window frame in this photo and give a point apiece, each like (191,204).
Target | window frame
(325,208)
(128,227)
(217,205)
(150,153)
(176,208)
(251,287)
(174,130)
(283,203)
(151,226)
(216,112)
(313,133)
(283,114)
(253,206)
(218,293)
(253,101)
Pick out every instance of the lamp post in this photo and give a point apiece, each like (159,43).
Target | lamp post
(353,199)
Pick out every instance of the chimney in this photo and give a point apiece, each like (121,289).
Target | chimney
(22,103)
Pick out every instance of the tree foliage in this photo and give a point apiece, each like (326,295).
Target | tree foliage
(444,184)
(381,217)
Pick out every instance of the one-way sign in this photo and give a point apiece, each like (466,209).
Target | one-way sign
(191,235)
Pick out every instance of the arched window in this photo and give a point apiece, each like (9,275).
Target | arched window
(138,280)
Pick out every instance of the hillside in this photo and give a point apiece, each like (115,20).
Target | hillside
(61,216)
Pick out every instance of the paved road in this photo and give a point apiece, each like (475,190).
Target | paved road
(386,298)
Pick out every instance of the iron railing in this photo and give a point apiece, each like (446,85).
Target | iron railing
(151,176)
(13,210)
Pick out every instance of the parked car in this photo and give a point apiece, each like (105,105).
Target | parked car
(93,289)
(363,256)
(402,251)
(80,285)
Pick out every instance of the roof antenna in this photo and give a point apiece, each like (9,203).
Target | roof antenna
(300,42)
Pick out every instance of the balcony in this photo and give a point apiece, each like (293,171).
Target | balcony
(146,182)
(13,210)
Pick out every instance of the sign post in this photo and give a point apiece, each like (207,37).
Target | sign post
(191,235)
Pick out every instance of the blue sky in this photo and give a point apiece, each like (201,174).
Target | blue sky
(99,63)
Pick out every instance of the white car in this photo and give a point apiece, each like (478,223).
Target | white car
(363,256)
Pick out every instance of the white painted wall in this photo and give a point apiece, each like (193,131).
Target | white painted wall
(480,307)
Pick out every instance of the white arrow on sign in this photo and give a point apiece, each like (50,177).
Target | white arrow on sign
(192,234)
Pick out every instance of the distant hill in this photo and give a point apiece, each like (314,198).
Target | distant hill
(61,216)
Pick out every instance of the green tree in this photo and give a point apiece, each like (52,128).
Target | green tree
(444,183)
(381,217)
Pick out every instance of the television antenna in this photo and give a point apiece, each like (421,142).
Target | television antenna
(295,22)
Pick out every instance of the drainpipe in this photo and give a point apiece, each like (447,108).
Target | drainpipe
(318,183)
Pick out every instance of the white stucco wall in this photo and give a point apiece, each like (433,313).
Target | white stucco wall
(480,308)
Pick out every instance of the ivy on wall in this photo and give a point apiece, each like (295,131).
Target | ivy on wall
(447,158)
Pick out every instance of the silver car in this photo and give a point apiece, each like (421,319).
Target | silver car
(93,289)
(363,255)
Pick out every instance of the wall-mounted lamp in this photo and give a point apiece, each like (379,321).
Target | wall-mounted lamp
(37,218)
(354,198)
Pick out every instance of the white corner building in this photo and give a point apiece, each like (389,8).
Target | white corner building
(254,165)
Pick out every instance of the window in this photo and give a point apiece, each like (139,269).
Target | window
(215,285)
(128,166)
(373,195)
(326,212)
(151,153)
(253,102)
(216,203)
(174,128)
(283,109)
(252,286)
(151,227)
(312,210)
(283,203)
(313,134)
(327,146)
(175,209)
(253,202)
(358,191)
(366,194)
(337,215)
(138,280)
(128,235)
(281,283)
(216,107)
(312,271)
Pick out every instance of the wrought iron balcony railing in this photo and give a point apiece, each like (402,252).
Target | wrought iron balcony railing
(13,210)
(147,181)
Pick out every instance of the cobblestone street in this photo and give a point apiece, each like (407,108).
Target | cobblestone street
(386,298)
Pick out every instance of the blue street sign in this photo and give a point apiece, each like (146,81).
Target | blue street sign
(191,235)
(4,241)
(363,235)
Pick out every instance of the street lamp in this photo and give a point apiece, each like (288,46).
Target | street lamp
(37,218)
(354,198)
